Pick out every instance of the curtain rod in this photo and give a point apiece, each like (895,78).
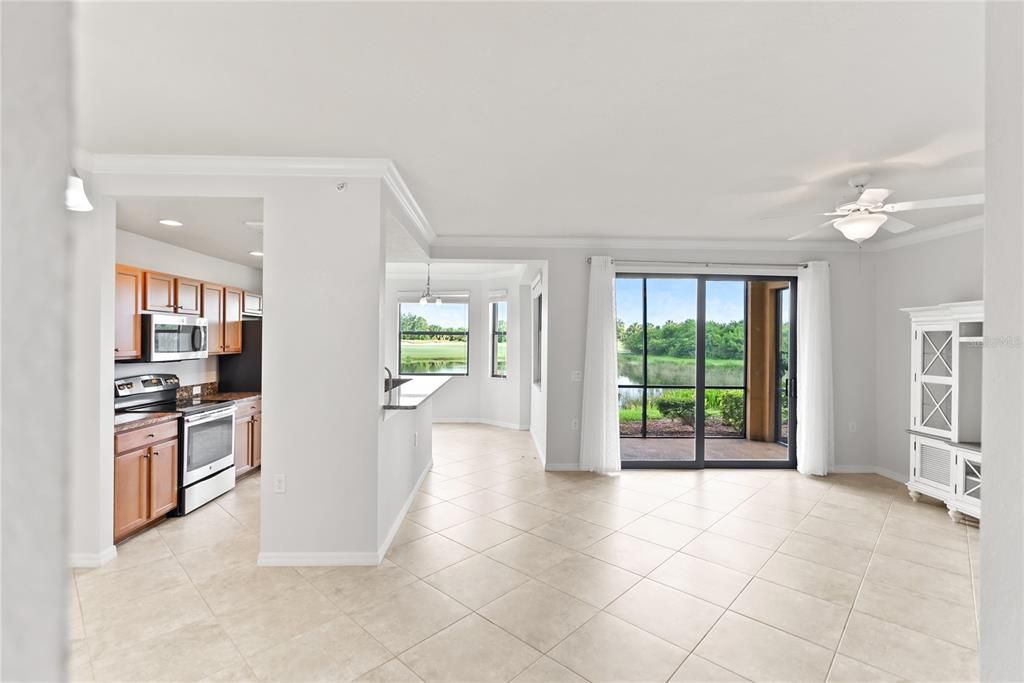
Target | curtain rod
(708,264)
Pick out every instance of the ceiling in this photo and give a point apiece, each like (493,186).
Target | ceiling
(456,270)
(211,225)
(644,120)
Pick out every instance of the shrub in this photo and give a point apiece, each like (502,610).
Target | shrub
(733,409)
(678,405)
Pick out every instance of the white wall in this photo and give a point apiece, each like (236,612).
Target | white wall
(924,274)
(477,397)
(35,140)
(1002,533)
(405,456)
(538,390)
(150,254)
(565,296)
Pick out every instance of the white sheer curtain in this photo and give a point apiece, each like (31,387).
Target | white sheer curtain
(599,426)
(815,437)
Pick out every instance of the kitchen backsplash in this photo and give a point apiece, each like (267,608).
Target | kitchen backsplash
(206,388)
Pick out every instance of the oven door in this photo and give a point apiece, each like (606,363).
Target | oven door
(175,337)
(209,444)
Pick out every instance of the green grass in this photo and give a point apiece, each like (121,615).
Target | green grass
(438,351)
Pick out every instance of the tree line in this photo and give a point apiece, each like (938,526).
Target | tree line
(725,341)
(411,322)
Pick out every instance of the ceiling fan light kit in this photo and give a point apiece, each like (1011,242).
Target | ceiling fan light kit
(860,226)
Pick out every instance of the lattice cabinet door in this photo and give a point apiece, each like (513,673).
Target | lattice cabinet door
(968,485)
(933,380)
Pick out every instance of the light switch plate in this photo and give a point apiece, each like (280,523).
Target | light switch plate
(577,375)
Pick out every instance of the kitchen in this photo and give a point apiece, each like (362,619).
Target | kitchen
(188,313)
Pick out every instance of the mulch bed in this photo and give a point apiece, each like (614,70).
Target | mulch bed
(713,426)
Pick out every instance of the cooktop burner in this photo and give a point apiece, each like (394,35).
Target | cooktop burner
(186,406)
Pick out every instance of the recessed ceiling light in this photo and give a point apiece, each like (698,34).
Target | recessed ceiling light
(255,253)
(253,224)
(171,223)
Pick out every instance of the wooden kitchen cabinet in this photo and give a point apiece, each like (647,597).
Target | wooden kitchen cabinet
(163,293)
(233,320)
(131,509)
(163,478)
(127,321)
(248,436)
(257,439)
(243,444)
(187,296)
(158,292)
(213,311)
(253,304)
(145,476)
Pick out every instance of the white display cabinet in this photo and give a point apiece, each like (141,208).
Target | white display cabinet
(945,405)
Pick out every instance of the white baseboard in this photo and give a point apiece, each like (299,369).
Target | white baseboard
(869,469)
(383,549)
(92,560)
(316,559)
(481,421)
(562,467)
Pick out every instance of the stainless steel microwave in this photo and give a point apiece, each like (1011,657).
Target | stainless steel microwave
(173,337)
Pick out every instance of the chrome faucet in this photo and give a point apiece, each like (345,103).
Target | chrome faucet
(391,378)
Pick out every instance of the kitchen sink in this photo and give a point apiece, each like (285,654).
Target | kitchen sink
(390,383)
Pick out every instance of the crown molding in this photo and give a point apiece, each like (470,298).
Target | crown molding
(253,166)
(446,241)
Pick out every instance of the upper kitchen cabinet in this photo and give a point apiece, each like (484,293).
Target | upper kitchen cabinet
(158,292)
(127,321)
(187,296)
(213,311)
(253,304)
(222,308)
(164,293)
(233,303)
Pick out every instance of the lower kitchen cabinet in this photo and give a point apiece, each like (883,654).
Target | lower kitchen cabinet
(248,437)
(145,479)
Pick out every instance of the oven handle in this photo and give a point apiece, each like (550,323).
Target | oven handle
(210,416)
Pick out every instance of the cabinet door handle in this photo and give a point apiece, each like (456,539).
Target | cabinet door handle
(150,436)
(116,350)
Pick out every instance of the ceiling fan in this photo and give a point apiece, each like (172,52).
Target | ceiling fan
(860,219)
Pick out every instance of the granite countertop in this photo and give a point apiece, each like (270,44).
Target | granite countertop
(233,395)
(413,393)
(124,422)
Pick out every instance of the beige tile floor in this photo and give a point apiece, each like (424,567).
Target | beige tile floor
(502,571)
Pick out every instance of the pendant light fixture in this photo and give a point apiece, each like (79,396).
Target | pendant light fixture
(427,297)
(75,198)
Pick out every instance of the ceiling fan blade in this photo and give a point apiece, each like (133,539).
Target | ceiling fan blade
(896,225)
(873,196)
(940,203)
(813,230)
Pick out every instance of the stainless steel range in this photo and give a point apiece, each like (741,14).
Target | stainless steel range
(206,435)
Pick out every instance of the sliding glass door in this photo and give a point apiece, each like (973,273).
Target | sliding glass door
(705,371)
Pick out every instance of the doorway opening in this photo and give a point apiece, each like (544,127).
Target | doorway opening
(706,370)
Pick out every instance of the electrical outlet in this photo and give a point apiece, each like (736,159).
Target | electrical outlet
(577,375)
(280,483)
(575,424)
(853,426)
(197,390)
(415,438)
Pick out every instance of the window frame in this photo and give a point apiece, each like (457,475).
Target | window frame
(495,334)
(464,335)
